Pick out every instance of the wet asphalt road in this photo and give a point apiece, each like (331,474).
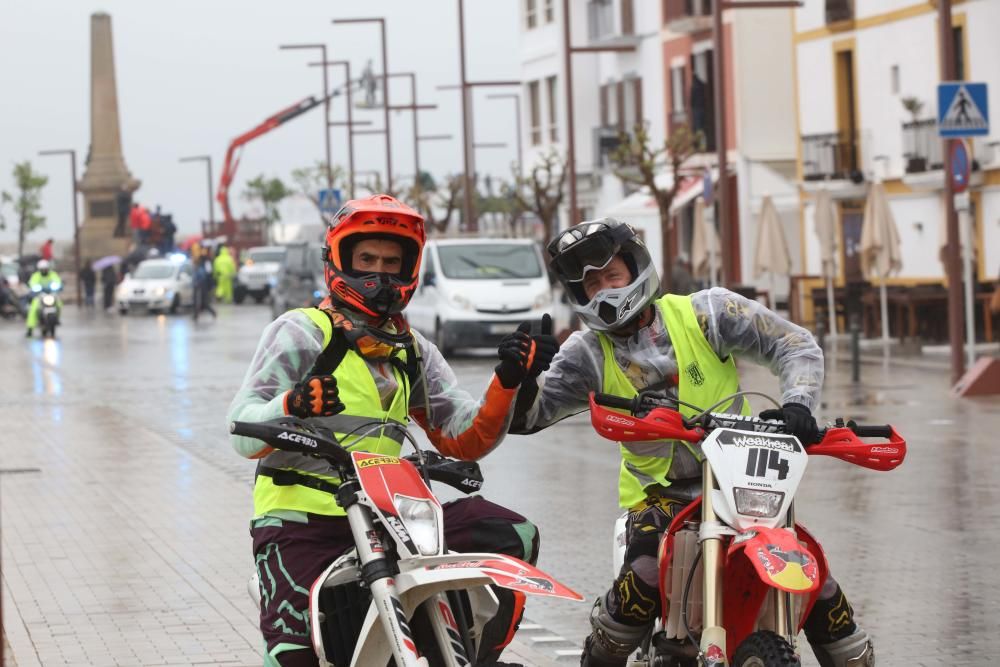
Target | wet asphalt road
(914,549)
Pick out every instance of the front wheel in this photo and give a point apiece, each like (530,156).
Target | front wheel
(765,649)
(440,339)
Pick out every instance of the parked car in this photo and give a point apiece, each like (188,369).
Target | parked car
(300,281)
(157,285)
(475,291)
(259,273)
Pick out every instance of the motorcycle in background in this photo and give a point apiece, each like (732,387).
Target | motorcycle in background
(363,606)
(49,307)
(738,576)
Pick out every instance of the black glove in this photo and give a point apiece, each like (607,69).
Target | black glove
(316,396)
(515,352)
(799,422)
(546,347)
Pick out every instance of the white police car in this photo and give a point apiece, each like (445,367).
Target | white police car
(158,285)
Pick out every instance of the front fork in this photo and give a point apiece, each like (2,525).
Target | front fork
(376,572)
(713,637)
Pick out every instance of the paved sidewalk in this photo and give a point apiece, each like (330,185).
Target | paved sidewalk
(122,546)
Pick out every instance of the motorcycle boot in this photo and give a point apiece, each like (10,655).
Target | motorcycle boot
(611,643)
(854,650)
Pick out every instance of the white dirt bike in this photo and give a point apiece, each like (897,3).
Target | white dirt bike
(363,605)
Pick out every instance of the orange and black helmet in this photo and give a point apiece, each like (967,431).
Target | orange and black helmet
(376,217)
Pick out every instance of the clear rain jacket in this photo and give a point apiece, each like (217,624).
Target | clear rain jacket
(457,424)
(732,325)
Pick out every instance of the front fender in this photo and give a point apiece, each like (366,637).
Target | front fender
(421,577)
(779,559)
(454,571)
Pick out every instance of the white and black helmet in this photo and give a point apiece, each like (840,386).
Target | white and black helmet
(592,245)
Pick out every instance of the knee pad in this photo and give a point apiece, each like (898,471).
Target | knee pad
(854,650)
(614,639)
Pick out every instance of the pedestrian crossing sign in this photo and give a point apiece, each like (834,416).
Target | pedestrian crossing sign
(963,109)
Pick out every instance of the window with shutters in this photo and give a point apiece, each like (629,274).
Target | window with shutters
(550,12)
(628,17)
(535,107)
(551,100)
(530,14)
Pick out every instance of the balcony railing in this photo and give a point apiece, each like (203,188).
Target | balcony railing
(688,16)
(833,156)
(921,146)
(607,139)
(702,124)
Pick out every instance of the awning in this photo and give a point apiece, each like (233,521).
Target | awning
(642,202)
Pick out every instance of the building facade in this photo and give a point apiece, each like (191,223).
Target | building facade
(612,91)
(866,82)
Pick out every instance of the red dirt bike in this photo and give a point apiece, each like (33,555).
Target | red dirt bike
(759,571)
(363,606)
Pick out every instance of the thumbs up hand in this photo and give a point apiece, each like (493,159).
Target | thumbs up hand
(546,347)
(523,355)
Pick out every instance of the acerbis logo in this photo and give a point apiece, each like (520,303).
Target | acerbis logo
(299,438)
(376,461)
(472,483)
(884,450)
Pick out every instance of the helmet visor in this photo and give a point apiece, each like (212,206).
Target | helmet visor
(578,252)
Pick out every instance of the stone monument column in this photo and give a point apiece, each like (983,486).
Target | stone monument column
(106,184)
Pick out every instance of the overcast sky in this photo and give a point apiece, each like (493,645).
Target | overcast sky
(194,74)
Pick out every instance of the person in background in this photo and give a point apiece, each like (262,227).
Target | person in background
(43,278)
(46,250)
(224,270)
(202,285)
(109,279)
(681,280)
(88,279)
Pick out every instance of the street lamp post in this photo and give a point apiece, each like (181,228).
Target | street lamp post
(385,93)
(568,51)
(414,108)
(207,159)
(468,204)
(350,123)
(517,120)
(326,105)
(76,216)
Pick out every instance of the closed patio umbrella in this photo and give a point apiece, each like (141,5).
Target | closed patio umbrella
(705,254)
(880,252)
(825,219)
(771,255)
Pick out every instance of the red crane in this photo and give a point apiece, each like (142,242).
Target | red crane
(236,146)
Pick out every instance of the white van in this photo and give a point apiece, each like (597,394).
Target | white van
(474,291)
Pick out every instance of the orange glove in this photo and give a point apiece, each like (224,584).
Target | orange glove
(316,396)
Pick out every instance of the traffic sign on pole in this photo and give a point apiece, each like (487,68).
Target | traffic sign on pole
(963,109)
(961,166)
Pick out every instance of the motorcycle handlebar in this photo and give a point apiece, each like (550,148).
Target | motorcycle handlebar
(293,435)
(640,401)
(611,401)
(870,431)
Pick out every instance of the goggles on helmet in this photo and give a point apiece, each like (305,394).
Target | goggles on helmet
(579,249)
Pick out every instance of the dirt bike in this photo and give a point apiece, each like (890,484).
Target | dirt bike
(758,571)
(400,574)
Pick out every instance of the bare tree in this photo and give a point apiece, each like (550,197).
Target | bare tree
(638,161)
(428,198)
(309,181)
(542,191)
